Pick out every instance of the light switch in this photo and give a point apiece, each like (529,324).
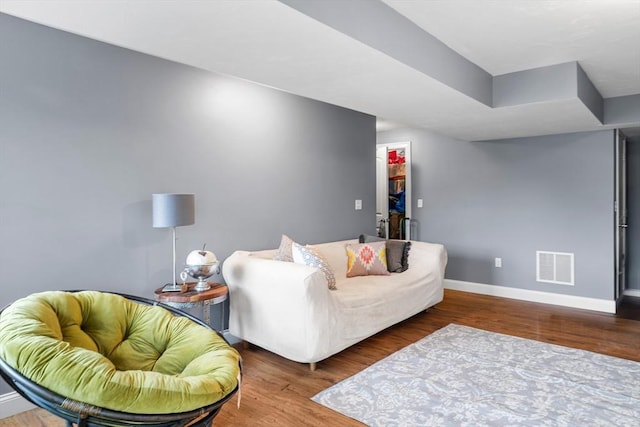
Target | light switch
(358,204)
(419,203)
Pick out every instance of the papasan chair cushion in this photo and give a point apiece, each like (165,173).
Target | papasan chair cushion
(108,351)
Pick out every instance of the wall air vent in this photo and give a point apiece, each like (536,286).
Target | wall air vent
(555,267)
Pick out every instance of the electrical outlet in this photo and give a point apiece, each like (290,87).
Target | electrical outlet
(419,203)
(498,262)
(358,204)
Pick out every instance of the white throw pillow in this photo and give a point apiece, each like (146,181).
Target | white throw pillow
(284,251)
(307,256)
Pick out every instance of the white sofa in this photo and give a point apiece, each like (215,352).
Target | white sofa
(287,308)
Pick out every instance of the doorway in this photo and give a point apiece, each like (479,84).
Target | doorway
(627,225)
(393,190)
(620,208)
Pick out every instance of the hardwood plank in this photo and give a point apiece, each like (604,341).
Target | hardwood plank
(277,392)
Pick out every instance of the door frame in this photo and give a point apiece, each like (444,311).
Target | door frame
(406,145)
(620,214)
(382,191)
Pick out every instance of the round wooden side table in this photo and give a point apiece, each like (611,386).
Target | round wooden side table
(217,294)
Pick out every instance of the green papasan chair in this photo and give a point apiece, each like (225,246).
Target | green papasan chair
(106,359)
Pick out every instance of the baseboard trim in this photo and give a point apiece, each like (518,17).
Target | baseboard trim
(594,304)
(12,404)
(632,292)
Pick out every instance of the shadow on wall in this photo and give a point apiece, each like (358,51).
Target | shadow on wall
(470,269)
(135,236)
(415,230)
(138,239)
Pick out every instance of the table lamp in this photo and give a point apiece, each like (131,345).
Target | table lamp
(173,210)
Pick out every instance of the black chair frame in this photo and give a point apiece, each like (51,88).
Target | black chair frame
(86,415)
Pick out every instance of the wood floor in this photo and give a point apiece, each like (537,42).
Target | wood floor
(276,392)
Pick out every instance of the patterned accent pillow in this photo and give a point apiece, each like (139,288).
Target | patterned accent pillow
(397,252)
(284,251)
(308,256)
(367,259)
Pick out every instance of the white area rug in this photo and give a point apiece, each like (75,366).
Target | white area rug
(461,376)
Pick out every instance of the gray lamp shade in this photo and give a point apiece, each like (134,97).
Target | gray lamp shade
(173,210)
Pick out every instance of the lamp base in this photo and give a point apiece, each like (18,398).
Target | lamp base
(169,287)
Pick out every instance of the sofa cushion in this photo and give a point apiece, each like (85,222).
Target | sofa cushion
(334,253)
(111,352)
(367,259)
(397,252)
(308,256)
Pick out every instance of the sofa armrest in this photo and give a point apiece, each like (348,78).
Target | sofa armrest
(281,306)
(428,258)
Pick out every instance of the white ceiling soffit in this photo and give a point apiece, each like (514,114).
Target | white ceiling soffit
(271,43)
(504,37)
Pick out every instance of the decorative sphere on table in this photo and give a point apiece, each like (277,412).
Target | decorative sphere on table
(201,265)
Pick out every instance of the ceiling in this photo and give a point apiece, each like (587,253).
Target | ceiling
(274,44)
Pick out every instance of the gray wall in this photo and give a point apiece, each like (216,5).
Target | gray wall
(509,198)
(89,131)
(633,209)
